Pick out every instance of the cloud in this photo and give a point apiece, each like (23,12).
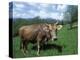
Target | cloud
(44,5)
(33,4)
(61,8)
(53,7)
(33,13)
(43,14)
(54,15)
(19,5)
(16,15)
(31,10)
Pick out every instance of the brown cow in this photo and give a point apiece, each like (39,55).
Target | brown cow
(37,33)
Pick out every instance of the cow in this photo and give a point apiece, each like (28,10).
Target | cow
(36,34)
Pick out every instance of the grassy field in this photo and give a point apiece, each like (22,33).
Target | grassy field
(65,45)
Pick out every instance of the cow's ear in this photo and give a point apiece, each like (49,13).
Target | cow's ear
(59,27)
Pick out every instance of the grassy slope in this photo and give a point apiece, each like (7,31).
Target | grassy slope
(66,38)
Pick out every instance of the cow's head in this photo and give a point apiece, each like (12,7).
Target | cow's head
(54,28)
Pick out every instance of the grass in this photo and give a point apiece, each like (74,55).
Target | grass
(67,39)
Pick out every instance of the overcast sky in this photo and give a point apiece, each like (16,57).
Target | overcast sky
(31,10)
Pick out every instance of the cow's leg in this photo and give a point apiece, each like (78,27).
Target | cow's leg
(45,41)
(26,45)
(21,44)
(38,47)
(38,43)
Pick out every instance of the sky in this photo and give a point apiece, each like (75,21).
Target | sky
(31,10)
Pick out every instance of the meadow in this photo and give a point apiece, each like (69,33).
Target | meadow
(67,44)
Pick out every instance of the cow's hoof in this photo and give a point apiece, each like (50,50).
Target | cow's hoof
(26,52)
(37,54)
(22,50)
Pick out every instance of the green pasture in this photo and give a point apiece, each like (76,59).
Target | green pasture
(67,44)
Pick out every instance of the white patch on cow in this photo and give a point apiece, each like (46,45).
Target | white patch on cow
(53,35)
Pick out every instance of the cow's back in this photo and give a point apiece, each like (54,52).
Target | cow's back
(28,32)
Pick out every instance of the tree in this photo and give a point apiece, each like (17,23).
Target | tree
(73,11)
